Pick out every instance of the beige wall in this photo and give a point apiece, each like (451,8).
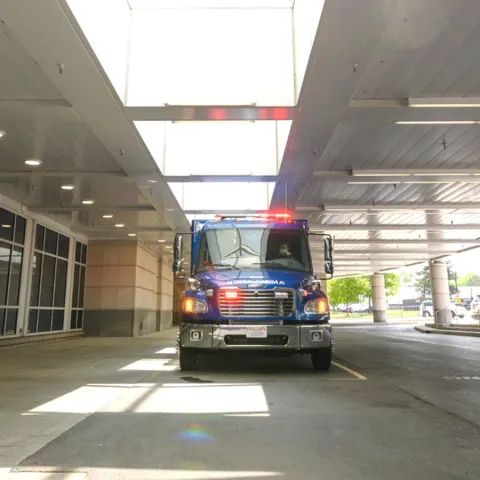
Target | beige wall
(128,277)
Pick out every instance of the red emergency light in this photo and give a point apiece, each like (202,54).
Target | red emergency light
(255,217)
(231,294)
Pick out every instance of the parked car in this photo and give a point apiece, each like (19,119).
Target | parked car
(475,306)
(426,309)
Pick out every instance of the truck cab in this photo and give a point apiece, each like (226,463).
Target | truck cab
(252,287)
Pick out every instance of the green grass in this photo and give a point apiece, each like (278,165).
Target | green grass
(390,314)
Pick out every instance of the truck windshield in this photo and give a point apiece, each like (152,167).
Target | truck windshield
(250,248)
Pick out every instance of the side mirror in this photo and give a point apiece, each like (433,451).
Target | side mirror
(328,254)
(177,266)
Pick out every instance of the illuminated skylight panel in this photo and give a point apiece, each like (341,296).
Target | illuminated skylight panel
(207,57)
(223,196)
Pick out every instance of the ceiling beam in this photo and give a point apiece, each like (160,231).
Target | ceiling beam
(195,113)
(404,207)
(401,241)
(370,110)
(91,208)
(129,229)
(219,178)
(419,250)
(399,227)
(44,173)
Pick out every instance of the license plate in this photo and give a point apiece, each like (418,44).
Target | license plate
(256,332)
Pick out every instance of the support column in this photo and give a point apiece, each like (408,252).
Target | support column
(378,298)
(440,292)
(126,293)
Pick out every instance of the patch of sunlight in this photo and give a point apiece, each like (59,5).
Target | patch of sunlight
(150,474)
(86,399)
(151,365)
(199,398)
(247,415)
(43,476)
(167,351)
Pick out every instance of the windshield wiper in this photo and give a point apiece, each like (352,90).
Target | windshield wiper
(272,264)
(228,265)
(277,265)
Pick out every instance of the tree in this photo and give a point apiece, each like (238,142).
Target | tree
(423,282)
(469,280)
(407,278)
(392,285)
(346,290)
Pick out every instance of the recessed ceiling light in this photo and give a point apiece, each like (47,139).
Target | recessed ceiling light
(6,226)
(108,215)
(161,241)
(120,225)
(2,133)
(68,187)
(33,163)
(88,202)
(151,181)
(132,234)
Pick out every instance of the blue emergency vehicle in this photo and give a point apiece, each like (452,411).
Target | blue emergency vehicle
(252,287)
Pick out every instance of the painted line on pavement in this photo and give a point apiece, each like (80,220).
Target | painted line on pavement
(406,339)
(350,371)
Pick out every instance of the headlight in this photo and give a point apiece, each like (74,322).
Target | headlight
(318,306)
(193,305)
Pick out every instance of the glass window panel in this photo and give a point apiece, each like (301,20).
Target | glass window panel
(7,221)
(5,255)
(84,254)
(57,320)
(78,252)
(32,321)
(11,322)
(306,17)
(15,276)
(2,321)
(221,148)
(39,237)
(76,284)
(73,320)
(82,287)
(111,49)
(20,226)
(36,277)
(63,246)
(51,238)
(205,196)
(47,283)
(80,319)
(60,283)
(44,321)
(210,59)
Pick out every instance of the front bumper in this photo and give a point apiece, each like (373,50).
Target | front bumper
(279,337)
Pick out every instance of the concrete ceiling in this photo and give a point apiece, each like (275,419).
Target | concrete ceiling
(368,57)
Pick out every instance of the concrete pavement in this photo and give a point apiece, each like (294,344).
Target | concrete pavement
(396,405)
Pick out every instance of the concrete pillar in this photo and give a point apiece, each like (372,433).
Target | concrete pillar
(378,298)
(440,292)
(125,291)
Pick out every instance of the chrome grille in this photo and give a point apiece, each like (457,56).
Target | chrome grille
(257,303)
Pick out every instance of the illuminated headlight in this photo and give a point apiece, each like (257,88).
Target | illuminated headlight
(193,305)
(318,306)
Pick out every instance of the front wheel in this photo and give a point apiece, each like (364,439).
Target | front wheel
(322,358)
(188,358)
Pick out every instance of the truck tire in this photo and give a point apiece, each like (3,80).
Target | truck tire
(188,358)
(322,358)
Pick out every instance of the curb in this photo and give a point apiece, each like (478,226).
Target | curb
(443,331)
